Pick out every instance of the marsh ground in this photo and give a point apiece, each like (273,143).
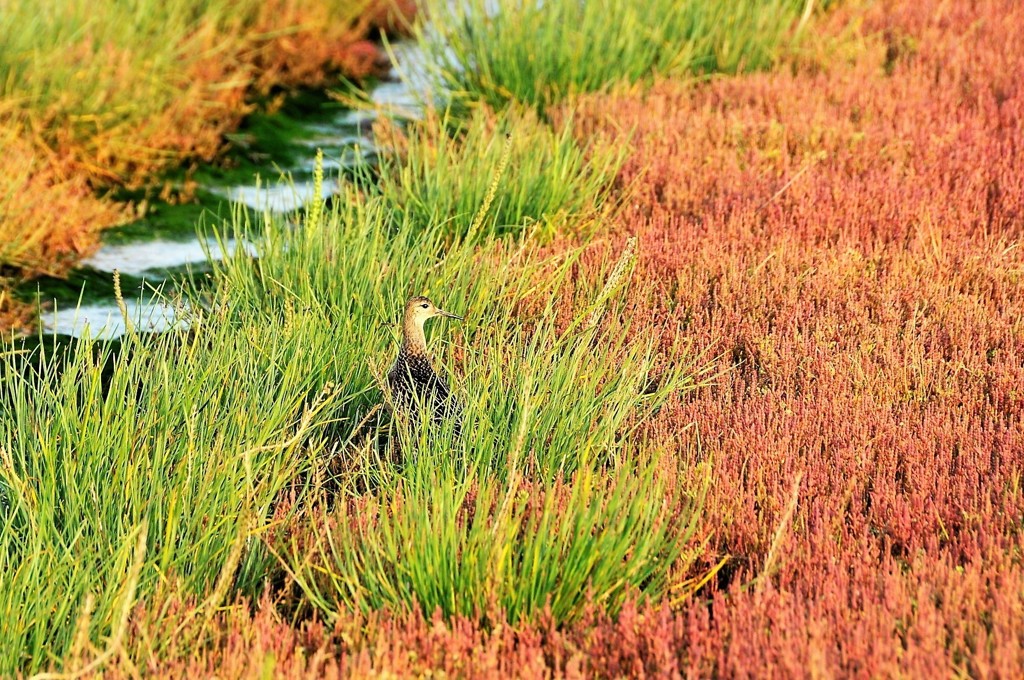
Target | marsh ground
(788,321)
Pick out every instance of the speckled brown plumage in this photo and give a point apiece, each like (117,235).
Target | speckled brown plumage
(412,379)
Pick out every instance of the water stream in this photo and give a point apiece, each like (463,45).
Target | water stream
(159,249)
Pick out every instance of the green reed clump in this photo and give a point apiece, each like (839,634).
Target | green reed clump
(444,172)
(545,498)
(540,53)
(187,438)
(353,268)
(478,545)
(192,438)
(476,524)
(563,508)
(162,467)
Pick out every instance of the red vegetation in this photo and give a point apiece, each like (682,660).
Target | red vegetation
(850,240)
(263,645)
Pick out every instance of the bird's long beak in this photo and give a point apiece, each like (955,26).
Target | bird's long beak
(448,315)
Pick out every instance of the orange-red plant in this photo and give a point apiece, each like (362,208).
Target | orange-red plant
(849,240)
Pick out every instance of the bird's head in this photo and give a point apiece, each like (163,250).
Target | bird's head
(418,309)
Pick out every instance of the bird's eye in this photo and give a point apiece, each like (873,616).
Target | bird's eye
(425,306)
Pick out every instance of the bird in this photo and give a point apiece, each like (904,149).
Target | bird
(412,379)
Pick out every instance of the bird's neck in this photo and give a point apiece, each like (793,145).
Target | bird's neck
(413,339)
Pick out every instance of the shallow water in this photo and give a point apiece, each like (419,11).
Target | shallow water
(105,320)
(147,256)
(155,259)
(277,197)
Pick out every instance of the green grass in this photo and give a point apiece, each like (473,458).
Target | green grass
(561,498)
(189,438)
(480,545)
(445,170)
(541,53)
(163,468)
